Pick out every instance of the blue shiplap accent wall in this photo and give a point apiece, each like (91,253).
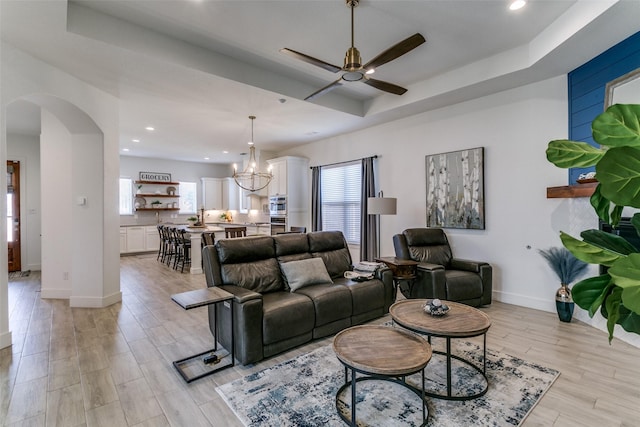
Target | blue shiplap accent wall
(586,89)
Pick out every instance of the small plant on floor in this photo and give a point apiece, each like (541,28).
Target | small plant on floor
(568,268)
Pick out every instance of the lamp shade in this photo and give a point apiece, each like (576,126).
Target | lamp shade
(381,206)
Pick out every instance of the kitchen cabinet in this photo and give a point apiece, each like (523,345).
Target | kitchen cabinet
(156,196)
(123,240)
(139,239)
(136,239)
(278,184)
(212,193)
(291,178)
(152,238)
(250,201)
(230,195)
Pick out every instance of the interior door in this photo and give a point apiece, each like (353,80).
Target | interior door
(13,215)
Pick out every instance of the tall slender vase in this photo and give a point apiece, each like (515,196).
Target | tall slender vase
(564,303)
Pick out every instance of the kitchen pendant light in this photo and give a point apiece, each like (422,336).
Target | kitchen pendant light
(251,178)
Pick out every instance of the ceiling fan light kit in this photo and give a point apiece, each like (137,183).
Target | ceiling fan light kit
(251,178)
(353,70)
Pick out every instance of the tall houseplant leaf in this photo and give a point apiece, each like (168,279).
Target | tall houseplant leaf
(618,126)
(617,293)
(573,154)
(619,174)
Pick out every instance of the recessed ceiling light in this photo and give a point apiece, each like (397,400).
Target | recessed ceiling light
(150,128)
(225,152)
(206,158)
(517,4)
(135,140)
(125,149)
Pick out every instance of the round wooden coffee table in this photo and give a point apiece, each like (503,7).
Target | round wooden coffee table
(380,353)
(461,321)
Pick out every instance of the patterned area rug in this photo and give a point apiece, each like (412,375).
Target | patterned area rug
(301,392)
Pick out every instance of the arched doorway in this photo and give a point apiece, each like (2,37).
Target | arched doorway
(70,203)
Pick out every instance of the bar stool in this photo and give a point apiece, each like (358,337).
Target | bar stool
(232,232)
(182,249)
(208,239)
(161,247)
(170,249)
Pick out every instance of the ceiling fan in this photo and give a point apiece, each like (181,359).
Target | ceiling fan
(353,69)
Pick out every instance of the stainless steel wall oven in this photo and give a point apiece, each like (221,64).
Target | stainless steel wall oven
(278,224)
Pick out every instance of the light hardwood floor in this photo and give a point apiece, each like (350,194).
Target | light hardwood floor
(112,366)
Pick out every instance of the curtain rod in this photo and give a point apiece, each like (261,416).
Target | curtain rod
(346,161)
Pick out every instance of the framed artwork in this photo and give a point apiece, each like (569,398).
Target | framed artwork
(455,189)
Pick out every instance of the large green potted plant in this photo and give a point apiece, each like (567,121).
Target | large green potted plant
(617,163)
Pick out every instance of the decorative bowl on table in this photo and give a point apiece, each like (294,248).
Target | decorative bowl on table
(435,308)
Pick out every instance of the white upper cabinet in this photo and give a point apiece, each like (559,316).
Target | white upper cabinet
(230,195)
(212,193)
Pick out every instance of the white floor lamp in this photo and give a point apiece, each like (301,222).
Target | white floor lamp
(381,206)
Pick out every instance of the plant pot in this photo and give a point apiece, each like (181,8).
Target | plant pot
(564,303)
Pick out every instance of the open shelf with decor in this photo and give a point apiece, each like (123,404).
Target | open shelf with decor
(571,191)
(156,190)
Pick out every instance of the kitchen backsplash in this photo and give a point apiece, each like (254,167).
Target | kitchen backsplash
(151,218)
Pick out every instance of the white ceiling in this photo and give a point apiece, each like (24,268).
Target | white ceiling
(196,69)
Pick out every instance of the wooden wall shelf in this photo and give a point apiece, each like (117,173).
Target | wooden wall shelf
(571,191)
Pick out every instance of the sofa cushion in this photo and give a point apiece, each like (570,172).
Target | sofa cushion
(331,302)
(245,250)
(286,315)
(332,248)
(290,244)
(261,276)
(305,272)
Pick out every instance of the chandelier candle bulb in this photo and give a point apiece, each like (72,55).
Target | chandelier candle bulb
(251,178)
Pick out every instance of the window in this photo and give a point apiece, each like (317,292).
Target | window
(126,196)
(341,190)
(188,198)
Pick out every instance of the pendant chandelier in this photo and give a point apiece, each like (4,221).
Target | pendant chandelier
(251,178)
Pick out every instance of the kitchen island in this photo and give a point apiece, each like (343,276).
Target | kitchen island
(253,229)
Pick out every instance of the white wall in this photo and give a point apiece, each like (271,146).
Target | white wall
(80,107)
(26,150)
(514,127)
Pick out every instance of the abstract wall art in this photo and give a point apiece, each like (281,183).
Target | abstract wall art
(455,189)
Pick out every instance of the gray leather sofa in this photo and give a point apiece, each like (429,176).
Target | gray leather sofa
(439,274)
(269,318)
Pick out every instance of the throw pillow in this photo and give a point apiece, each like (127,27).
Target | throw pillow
(305,272)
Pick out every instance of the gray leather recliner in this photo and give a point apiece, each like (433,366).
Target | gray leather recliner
(439,274)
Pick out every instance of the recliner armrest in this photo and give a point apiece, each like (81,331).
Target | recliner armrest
(430,267)
(467,265)
(241,295)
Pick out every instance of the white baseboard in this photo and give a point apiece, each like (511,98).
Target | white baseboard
(55,293)
(95,302)
(5,339)
(543,304)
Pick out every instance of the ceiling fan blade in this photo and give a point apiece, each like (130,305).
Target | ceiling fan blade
(396,51)
(385,86)
(324,90)
(311,60)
